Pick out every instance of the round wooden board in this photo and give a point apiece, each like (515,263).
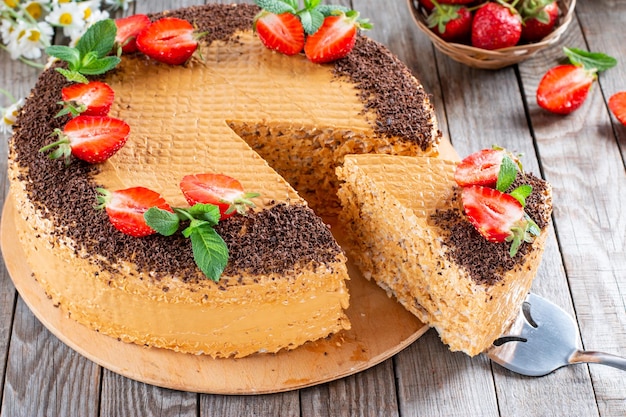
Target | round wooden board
(380,328)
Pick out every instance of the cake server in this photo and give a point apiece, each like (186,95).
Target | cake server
(543,338)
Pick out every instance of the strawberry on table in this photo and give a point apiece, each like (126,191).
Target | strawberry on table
(617,104)
(127,30)
(335,38)
(92,99)
(126,208)
(169,40)
(564,88)
(93,139)
(218,189)
(496,25)
(280,32)
(539,19)
(451,22)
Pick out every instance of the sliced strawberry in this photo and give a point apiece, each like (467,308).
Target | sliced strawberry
(127,30)
(334,39)
(221,190)
(93,139)
(169,40)
(125,208)
(493,213)
(617,104)
(280,32)
(92,99)
(480,168)
(564,88)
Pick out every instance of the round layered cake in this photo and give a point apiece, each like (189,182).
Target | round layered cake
(278,124)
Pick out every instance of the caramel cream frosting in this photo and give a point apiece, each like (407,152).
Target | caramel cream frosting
(233,111)
(411,237)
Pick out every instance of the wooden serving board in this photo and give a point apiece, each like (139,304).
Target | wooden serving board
(381,327)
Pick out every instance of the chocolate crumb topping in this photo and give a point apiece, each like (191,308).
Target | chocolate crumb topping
(486,262)
(275,240)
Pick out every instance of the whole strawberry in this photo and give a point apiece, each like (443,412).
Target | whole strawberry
(539,19)
(452,23)
(496,26)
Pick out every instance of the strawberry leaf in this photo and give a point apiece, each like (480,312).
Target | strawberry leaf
(162,221)
(507,174)
(277,6)
(209,249)
(597,61)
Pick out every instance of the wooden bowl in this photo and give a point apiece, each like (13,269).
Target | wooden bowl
(496,59)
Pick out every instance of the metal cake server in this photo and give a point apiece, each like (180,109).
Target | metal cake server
(543,338)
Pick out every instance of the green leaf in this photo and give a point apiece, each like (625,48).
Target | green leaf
(73,76)
(209,251)
(100,65)
(507,174)
(590,60)
(276,6)
(521,193)
(329,9)
(162,221)
(99,38)
(311,20)
(207,212)
(64,53)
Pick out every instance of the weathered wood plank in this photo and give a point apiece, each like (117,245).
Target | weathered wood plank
(45,377)
(279,405)
(581,157)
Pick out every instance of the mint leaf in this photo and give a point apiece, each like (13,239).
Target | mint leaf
(65,53)
(597,61)
(277,6)
(521,193)
(207,212)
(100,65)
(329,10)
(162,221)
(311,4)
(507,174)
(209,251)
(99,38)
(73,76)
(311,20)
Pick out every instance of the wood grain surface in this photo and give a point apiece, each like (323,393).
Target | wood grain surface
(583,269)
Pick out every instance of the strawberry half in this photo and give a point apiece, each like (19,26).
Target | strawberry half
(335,38)
(169,40)
(493,213)
(617,104)
(93,139)
(280,32)
(218,189)
(564,88)
(125,208)
(480,168)
(127,30)
(92,99)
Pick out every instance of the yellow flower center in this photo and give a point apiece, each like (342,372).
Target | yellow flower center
(87,13)
(35,35)
(7,121)
(64,1)
(65,19)
(35,10)
(21,35)
(11,3)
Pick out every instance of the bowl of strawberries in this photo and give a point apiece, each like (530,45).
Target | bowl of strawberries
(492,34)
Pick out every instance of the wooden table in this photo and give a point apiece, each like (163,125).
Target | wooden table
(583,270)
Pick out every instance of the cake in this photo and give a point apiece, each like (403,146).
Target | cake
(278,124)
(410,235)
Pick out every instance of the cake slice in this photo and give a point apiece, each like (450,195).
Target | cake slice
(408,232)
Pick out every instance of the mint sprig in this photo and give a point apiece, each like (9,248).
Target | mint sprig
(592,61)
(210,252)
(507,174)
(90,55)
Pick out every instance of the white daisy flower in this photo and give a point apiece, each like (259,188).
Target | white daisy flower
(10,4)
(31,39)
(69,16)
(36,9)
(117,4)
(9,115)
(92,13)
(6,29)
